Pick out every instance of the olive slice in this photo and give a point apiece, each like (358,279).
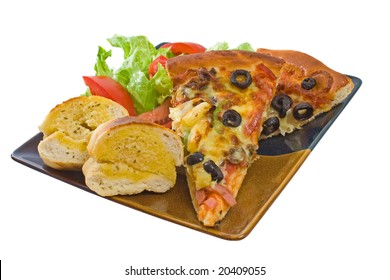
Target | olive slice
(303,111)
(241,78)
(282,103)
(231,118)
(308,83)
(195,158)
(270,125)
(215,172)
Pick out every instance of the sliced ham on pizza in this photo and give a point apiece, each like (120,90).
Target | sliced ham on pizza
(306,88)
(220,99)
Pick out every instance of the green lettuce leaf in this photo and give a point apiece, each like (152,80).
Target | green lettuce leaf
(101,66)
(245,47)
(133,73)
(221,46)
(161,82)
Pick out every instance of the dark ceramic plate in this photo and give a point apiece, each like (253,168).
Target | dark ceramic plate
(281,158)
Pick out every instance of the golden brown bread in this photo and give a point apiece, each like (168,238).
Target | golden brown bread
(129,155)
(68,127)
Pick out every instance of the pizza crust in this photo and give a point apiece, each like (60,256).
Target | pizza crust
(330,90)
(341,86)
(228,59)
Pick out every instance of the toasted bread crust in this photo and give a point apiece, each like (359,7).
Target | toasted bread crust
(129,155)
(68,126)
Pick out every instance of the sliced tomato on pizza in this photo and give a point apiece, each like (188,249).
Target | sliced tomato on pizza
(306,88)
(219,102)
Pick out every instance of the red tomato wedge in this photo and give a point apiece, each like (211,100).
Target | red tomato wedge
(109,88)
(153,67)
(184,47)
(159,115)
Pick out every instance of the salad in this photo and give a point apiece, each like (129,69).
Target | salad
(141,83)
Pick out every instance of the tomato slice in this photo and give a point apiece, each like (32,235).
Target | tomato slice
(153,67)
(159,115)
(184,47)
(109,88)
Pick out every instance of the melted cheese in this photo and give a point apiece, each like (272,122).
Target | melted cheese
(199,122)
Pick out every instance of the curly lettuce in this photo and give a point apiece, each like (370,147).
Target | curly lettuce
(133,73)
(222,46)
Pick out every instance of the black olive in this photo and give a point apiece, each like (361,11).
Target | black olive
(160,45)
(231,118)
(303,111)
(270,125)
(282,103)
(241,78)
(308,83)
(211,168)
(195,158)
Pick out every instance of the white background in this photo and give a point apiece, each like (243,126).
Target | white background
(331,221)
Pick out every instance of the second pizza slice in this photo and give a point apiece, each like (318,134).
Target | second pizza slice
(220,99)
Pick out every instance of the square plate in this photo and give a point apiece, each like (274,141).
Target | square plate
(281,157)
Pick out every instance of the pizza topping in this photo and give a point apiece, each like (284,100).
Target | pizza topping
(282,103)
(211,202)
(195,158)
(241,78)
(236,155)
(207,196)
(308,83)
(303,111)
(200,196)
(199,80)
(213,71)
(270,125)
(253,123)
(231,118)
(226,194)
(215,172)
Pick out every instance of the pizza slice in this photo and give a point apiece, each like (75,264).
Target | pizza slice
(219,102)
(306,88)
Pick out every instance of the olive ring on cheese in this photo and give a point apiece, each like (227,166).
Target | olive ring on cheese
(231,118)
(270,125)
(241,78)
(282,103)
(308,83)
(302,111)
